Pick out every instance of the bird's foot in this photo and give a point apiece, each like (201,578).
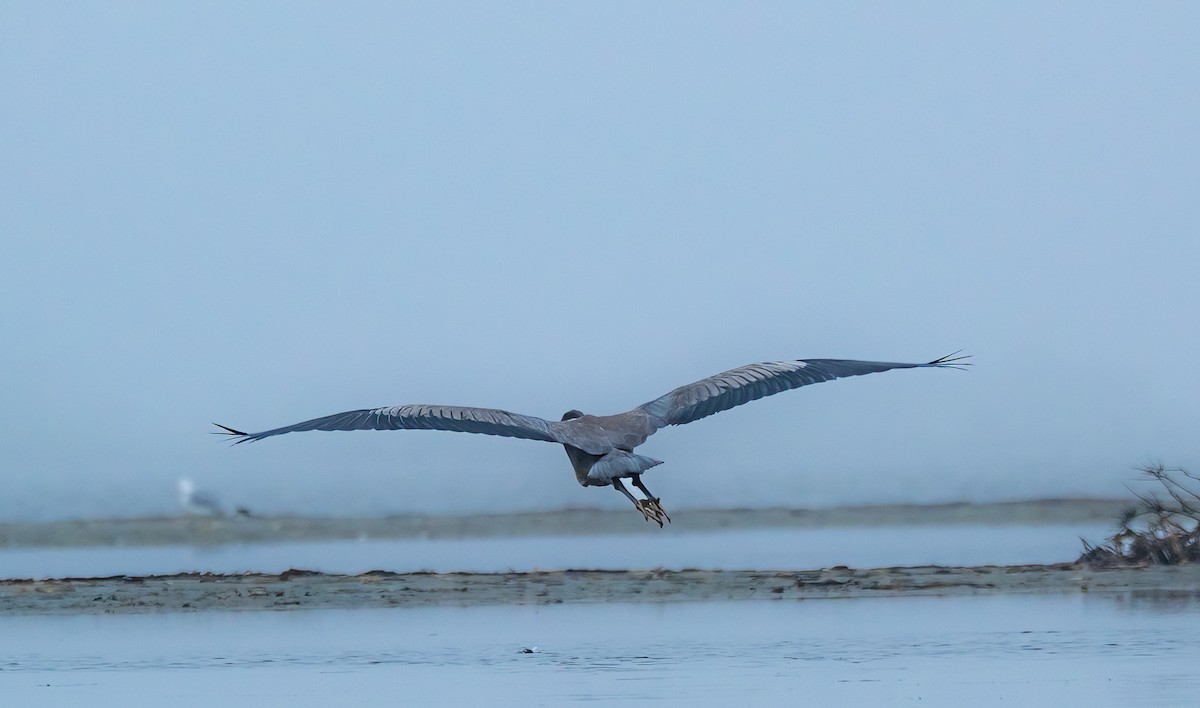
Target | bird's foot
(661,512)
(648,512)
(658,504)
(652,510)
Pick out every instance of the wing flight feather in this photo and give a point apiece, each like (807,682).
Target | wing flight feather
(754,381)
(487,421)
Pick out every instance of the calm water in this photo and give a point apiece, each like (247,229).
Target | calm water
(752,549)
(1123,650)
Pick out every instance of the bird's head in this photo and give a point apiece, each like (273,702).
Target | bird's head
(572,414)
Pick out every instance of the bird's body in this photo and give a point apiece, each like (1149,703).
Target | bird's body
(600,448)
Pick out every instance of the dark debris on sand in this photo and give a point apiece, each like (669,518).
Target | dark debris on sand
(1161,528)
(301,589)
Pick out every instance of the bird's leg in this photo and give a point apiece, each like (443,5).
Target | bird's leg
(655,502)
(616,483)
(642,505)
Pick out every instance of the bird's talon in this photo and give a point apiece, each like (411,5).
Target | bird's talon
(651,511)
(656,507)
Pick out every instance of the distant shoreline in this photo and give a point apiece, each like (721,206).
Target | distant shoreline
(185,530)
(305,590)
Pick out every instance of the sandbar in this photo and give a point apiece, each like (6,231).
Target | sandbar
(301,590)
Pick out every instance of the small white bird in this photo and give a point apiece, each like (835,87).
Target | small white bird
(198,503)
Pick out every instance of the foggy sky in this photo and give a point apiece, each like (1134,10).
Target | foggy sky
(256,215)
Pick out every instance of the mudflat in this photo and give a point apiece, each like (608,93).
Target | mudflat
(299,589)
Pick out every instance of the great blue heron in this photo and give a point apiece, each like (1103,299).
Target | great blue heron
(601,447)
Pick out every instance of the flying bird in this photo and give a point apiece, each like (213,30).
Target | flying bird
(601,447)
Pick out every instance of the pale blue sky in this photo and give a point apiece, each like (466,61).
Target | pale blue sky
(261,213)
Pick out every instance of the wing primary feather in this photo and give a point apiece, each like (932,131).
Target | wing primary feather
(952,361)
(748,383)
(487,421)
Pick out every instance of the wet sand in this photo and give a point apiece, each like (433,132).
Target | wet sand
(298,589)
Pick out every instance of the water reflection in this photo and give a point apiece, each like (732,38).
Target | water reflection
(1055,649)
(1160,601)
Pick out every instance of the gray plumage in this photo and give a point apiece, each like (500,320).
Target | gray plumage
(601,447)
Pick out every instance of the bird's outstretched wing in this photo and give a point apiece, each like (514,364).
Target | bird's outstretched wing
(488,421)
(748,383)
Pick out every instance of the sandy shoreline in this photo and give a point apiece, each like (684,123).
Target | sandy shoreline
(295,590)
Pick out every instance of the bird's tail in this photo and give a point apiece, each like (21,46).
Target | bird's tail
(620,463)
